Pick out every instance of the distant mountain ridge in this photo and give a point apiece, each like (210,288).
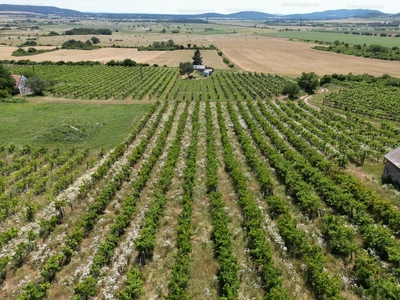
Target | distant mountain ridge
(248,15)
(46,10)
(337,14)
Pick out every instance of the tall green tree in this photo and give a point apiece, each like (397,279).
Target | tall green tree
(308,82)
(197,59)
(291,89)
(37,85)
(7,83)
(95,40)
(185,68)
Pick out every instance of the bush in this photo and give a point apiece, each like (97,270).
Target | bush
(4,94)
(37,85)
(291,89)
(308,82)
(326,79)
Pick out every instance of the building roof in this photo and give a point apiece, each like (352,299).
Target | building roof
(17,78)
(394,157)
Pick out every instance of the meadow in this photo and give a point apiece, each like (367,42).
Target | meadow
(67,124)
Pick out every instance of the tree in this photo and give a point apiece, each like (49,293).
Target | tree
(37,85)
(308,82)
(291,89)
(7,83)
(189,45)
(326,79)
(95,40)
(197,59)
(127,62)
(186,68)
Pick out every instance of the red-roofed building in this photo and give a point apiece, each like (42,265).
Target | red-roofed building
(20,84)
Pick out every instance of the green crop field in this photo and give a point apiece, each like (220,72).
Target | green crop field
(331,37)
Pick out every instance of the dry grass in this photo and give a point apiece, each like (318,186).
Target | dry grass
(102,55)
(283,57)
(133,39)
(169,58)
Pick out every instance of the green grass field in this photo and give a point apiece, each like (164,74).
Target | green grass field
(331,37)
(63,124)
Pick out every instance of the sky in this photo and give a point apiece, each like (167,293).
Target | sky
(218,6)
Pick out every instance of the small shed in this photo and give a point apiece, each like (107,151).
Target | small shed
(20,84)
(199,67)
(392,166)
(207,72)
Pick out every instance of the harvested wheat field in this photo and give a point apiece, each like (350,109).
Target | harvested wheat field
(102,55)
(283,57)
(173,58)
(169,58)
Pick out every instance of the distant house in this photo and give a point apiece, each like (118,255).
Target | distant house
(392,166)
(20,84)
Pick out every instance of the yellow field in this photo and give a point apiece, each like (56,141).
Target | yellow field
(102,55)
(248,52)
(283,57)
(121,39)
(169,58)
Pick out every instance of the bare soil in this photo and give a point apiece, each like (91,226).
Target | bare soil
(284,57)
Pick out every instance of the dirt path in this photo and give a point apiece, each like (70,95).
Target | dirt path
(307,97)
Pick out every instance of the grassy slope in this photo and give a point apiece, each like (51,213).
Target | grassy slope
(100,126)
